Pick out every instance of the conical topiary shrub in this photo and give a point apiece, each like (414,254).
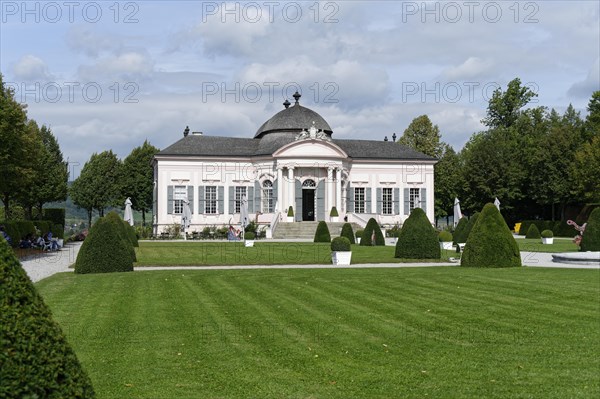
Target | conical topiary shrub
(36,359)
(348,233)
(131,235)
(459,231)
(104,251)
(533,232)
(469,226)
(367,236)
(121,227)
(418,239)
(322,233)
(491,243)
(591,236)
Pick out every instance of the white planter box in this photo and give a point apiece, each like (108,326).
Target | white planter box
(334,219)
(249,243)
(358,240)
(290,219)
(548,240)
(341,258)
(446,245)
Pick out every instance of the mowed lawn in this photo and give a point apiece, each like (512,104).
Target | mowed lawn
(535,245)
(202,253)
(439,332)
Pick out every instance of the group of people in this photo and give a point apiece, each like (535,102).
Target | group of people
(31,241)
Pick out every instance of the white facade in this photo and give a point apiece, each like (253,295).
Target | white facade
(292,161)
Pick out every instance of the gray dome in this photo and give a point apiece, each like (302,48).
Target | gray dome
(293,119)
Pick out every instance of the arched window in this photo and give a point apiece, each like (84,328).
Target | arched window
(309,184)
(267,196)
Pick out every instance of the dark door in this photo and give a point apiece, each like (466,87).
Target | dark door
(308,205)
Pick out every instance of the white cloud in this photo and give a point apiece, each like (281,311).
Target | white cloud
(472,68)
(590,84)
(31,68)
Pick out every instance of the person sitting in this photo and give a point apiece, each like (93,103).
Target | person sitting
(26,242)
(39,242)
(5,235)
(51,243)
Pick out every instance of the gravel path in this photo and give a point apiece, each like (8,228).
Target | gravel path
(45,264)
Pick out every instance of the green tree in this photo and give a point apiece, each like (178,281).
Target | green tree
(17,150)
(98,186)
(586,169)
(137,179)
(423,136)
(504,107)
(51,179)
(550,173)
(593,118)
(447,177)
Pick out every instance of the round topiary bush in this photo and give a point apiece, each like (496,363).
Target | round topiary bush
(417,239)
(322,233)
(340,244)
(367,235)
(547,234)
(459,231)
(491,243)
(445,236)
(533,232)
(591,235)
(36,359)
(359,233)
(348,233)
(249,235)
(104,251)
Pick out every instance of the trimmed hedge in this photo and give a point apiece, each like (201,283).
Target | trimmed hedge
(322,233)
(249,235)
(418,239)
(372,226)
(340,244)
(37,361)
(359,233)
(44,226)
(58,230)
(54,215)
(290,211)
(348,233)
(12,229)
(562,229)
(104,251)
(131,235)
(469,226)
(533,232)
(491,243)
(591,235)
(25,227)
(459,231)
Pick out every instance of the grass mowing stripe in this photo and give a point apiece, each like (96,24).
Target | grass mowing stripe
(466,348)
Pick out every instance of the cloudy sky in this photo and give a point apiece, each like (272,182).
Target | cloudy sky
(108,75)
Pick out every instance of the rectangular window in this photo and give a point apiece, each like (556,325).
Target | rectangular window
(240,192)
(414,199)
(210,198)
(179,194)
(267,197)
(387,200)
(359,200)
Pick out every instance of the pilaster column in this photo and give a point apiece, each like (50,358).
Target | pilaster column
(279,188)
(291,194)
(329,191)
(338,189)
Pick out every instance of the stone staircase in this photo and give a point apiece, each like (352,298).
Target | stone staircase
(306,230)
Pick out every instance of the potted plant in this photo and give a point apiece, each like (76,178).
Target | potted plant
(340,251)
(445,238)
(547,237)
(334,214)
(249,239)
(290,214)
(358,235)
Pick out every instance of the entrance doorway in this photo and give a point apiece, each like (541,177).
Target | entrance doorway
(308,205)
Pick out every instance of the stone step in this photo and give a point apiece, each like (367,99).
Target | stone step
(306,230)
